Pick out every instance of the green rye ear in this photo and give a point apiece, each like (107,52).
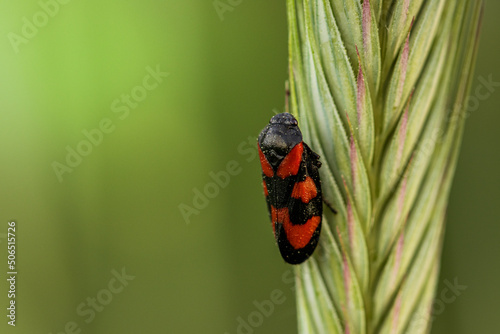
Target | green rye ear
(379,88)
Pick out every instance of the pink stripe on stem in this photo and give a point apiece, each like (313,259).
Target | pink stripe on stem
(402,135)
(399,255)
(404,14)
(395,319)
(367,21)
(404,68)
(347,282)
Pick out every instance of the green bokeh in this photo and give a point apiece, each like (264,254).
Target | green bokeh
(119,207)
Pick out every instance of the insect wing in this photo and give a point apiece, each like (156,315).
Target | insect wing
(298,224)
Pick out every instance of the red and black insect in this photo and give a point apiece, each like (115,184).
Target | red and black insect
(292,186)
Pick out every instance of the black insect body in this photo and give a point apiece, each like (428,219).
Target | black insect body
(292,186)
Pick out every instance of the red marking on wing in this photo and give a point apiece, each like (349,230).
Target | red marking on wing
(266,167)
(265,188)
(298,235)
(276,213)
(305,190)
(290,165)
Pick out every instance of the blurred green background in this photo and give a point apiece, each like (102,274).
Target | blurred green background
(119,208)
